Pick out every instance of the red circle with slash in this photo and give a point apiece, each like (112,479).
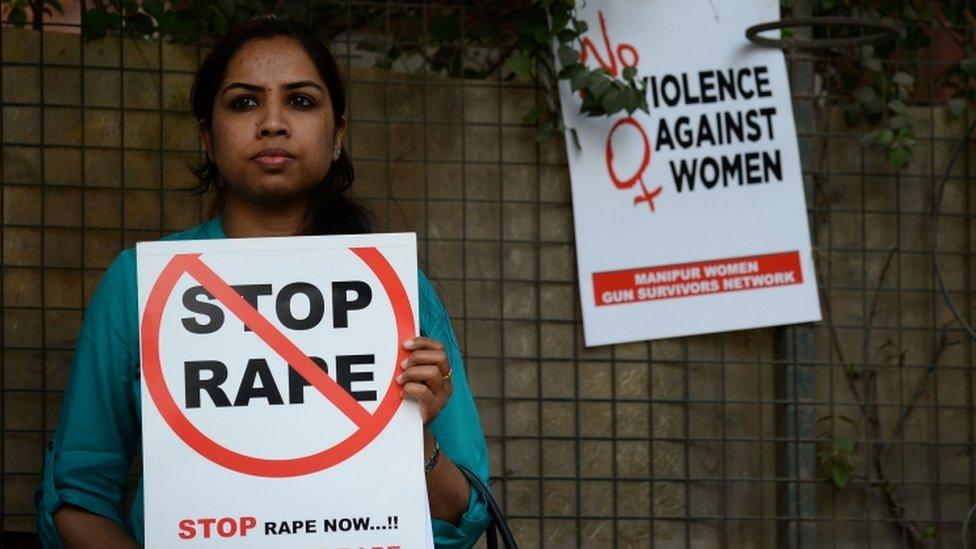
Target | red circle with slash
(369,425)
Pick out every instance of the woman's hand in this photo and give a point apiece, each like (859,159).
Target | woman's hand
(426,376)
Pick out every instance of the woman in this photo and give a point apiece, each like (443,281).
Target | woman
(271,110)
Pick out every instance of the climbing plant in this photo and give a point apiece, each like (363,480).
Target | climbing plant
(875,86)
(539,41)
(484,38)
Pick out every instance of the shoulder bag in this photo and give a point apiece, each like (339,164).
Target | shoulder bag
(498,521)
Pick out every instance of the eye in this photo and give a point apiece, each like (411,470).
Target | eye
(301,101)
(243,102)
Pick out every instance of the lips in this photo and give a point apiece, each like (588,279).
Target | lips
(273,157)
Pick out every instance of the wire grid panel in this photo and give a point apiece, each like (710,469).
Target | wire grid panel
(712,440)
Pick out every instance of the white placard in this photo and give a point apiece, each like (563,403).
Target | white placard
(242,450)
(690,219)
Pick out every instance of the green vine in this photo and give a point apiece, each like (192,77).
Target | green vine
(602,94)
(539,41)
(839,459)
(510,39)
(875,86)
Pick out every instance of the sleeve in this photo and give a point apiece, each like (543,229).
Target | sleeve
(87,461)
(457,428)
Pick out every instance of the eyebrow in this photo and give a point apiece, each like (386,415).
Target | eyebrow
(257,88)
(302,84)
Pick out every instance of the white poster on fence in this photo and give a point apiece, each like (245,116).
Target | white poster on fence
(271,414)
(690,219)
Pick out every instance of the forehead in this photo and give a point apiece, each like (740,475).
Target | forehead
(270,61)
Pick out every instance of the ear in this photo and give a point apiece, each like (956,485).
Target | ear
(205,135)
(340,131)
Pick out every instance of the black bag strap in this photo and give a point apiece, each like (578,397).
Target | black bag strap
(497,517)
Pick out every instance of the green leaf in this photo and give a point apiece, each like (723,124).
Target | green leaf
(580,26)
(869,60)
(566,35)
(568,71)
(955,12)
(180,24)
(969,66)
(898,157)
(902,78)
(520,64)
(541,35)
(884,137)
(875,107)
(843,444)
(928,533)
(841,473)
(872,64)
(898,122)
(139,24)
(852,113)
(95,23)
(154,7)
(18,17)
(545,131)
(560,20)
(598,83)
(532,116)
(897,106)
(865,94)
(567,55)
(220,23)
(613,101)
(916,38)
(629,73)
(579,78)
(632,100)
(129,7)
(957,106)
(56,5)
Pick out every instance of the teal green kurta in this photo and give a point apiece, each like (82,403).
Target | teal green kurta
(87,462)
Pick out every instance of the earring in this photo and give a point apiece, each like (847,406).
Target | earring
(335,154)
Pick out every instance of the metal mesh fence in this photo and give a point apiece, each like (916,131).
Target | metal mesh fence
(718,440)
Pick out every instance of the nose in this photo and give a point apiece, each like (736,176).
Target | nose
(273,123)
(268,130)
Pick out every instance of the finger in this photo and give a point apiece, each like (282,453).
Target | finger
(418,358)
(421,342)
(419,392)
(429,375)
(424,398)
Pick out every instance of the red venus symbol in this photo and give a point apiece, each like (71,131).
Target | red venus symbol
(610,65)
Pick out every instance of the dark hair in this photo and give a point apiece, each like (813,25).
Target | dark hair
(330,210)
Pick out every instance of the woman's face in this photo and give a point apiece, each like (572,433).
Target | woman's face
(273,134)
